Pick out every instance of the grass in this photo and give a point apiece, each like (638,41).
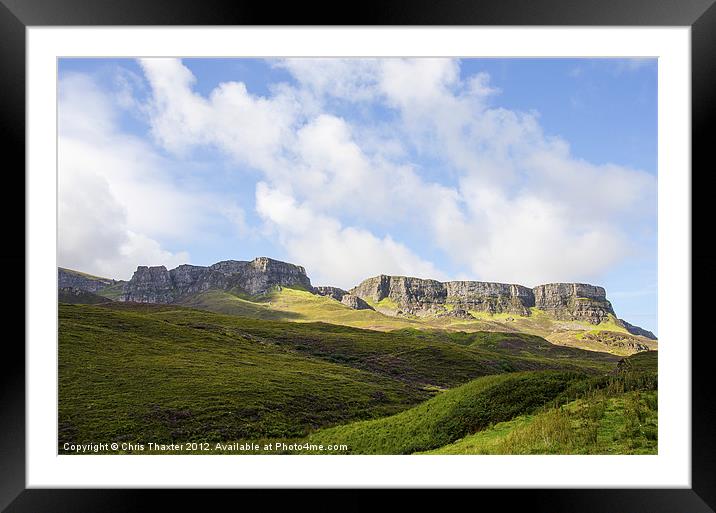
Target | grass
(626,424)
(133,372)
(450,415)
(615,414)
(517,413)
(129,374)
(421,357)
(295,305)
(271,368)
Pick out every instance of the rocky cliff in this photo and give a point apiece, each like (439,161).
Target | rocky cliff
(394,295)
(565,301)
(159,285)
(67,278)
(332,292)
(573,301)
(636,330)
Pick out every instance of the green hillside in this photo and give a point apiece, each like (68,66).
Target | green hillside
(618,415)
(624,424)
(162,372)
(124,375)
(519,413)
(435,358)
(290,304)
(451,415)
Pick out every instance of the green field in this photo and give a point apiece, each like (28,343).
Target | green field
(165,373)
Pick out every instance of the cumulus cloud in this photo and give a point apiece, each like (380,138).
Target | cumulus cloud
(487,187)
(334,254)
(251,129)
(115,197)
(93,230)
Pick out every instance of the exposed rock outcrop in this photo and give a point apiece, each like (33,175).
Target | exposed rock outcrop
(620,341)
(67,278)
(573,301)
(413,295)
(332,292)
(159,285)
(355,302)
(151,285)
(79,296)
(394,295)
(565,301)
(430,297)
(636,330)
(490,297)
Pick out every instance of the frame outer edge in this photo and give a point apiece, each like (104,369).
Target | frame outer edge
(703,112)
(12,256)
(12,130)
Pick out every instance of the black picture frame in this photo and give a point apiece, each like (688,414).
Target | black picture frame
(17,15)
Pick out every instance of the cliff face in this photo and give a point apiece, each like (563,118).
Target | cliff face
(565,301)
(67,278)
(332,292)
(159,285)
(355,302)
(490,297)
(259,275)
(573,301)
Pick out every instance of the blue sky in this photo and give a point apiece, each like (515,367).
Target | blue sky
(516,170)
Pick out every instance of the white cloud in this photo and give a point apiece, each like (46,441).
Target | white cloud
(93,233)
(249,128)
(334,254)
(506,202)
(350,79)
(116,198)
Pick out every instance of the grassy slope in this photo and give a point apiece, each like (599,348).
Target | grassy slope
(127,375)
(139,372)
(623,424)
(451,415)
(302,306)
(296,305)
(436,358)
(613,415)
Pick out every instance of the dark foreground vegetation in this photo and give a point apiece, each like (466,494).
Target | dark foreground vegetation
(133,374)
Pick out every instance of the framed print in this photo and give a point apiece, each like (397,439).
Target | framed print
(441,248)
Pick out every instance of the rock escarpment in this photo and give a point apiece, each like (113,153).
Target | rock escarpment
(430,297)
(79,296)
(159,285)
(573,301)
(489,297)
(393,295)
(564,301)
(67,278)
(343,296)
(636,330)
(332,292)
(355,302)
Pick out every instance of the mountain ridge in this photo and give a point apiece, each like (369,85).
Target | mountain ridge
(389,295)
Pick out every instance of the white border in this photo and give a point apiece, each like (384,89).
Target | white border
(672,465)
